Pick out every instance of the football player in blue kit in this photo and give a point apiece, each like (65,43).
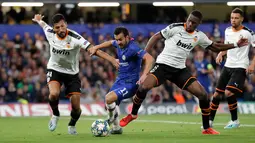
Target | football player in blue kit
(130,57)
(204,69)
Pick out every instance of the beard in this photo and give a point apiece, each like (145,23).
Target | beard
(62,34)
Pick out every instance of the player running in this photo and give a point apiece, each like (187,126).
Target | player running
(180,39)
(63,66)
(130,56)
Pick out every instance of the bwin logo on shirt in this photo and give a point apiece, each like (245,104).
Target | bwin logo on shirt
(183,45)
(61,52)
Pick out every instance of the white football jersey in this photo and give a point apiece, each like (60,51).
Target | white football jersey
(64,52)
(179,43)
(238,57)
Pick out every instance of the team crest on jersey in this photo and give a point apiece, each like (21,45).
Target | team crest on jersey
(68,45)
(85,43)
(123,57)
(195,39)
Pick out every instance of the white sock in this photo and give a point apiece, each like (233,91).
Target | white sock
(112,109)
(116,122)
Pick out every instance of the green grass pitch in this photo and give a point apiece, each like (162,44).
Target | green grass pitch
(183,128)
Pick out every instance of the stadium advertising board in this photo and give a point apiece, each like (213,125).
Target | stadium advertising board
(27,110)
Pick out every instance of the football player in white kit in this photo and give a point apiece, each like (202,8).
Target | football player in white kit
(180,39)
(63,66)
(233,75)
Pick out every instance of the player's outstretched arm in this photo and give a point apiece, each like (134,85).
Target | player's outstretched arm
(38,18)
(217,47)
(153,40)
(93,50)
(105,56)
(148,62)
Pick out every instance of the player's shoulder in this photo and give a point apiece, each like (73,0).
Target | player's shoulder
(133,45)
(180,24)
(228,29)
(74,34)
(176,25)
(200,33)
(50,30)
(248,30)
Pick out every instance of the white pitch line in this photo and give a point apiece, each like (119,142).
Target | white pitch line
(174,122)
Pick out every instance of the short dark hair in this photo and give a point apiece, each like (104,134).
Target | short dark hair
(121,29)
(197,14)
(57,17)
(238,10)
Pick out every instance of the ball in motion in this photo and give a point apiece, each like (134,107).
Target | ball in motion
(100,128)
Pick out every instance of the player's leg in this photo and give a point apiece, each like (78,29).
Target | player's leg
(75,112)
(219,92)
(155,78)
(196,89)
(73,85)
(113,115)
(184,80)
(110,101)
(113,99)
(54,91)
(234,87)
(217,96)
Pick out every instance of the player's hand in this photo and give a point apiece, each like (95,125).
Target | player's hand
(142,78)
(250,69)
(92,51)
(242,42)
(219,59)
(116,63)
(37,18)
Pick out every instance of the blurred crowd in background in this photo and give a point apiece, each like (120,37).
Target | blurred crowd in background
(23,59)
(78,15)
(23,63)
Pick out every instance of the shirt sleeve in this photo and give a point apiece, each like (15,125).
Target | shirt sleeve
(138,52)
(253,39)
(204,41)
(169,31)
(114,43)
(48,31)
(83,43)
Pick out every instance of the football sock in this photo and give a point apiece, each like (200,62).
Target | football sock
(75,115)
(138,100)
(232,105)
(111,108)
(205,109)
(54,107)
(214,106)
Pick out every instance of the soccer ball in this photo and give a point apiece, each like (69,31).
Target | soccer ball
(100,128)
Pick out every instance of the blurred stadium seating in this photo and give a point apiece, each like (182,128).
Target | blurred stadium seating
(24,53)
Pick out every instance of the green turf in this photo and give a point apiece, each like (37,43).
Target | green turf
(146,130)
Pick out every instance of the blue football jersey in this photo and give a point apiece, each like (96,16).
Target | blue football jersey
(201,77)
(130,58)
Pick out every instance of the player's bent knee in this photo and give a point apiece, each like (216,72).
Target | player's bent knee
(54,95)
(75,101)
(109,99)
(76,107)
(228,93)
(144,88)
(202,96)
(218,95)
